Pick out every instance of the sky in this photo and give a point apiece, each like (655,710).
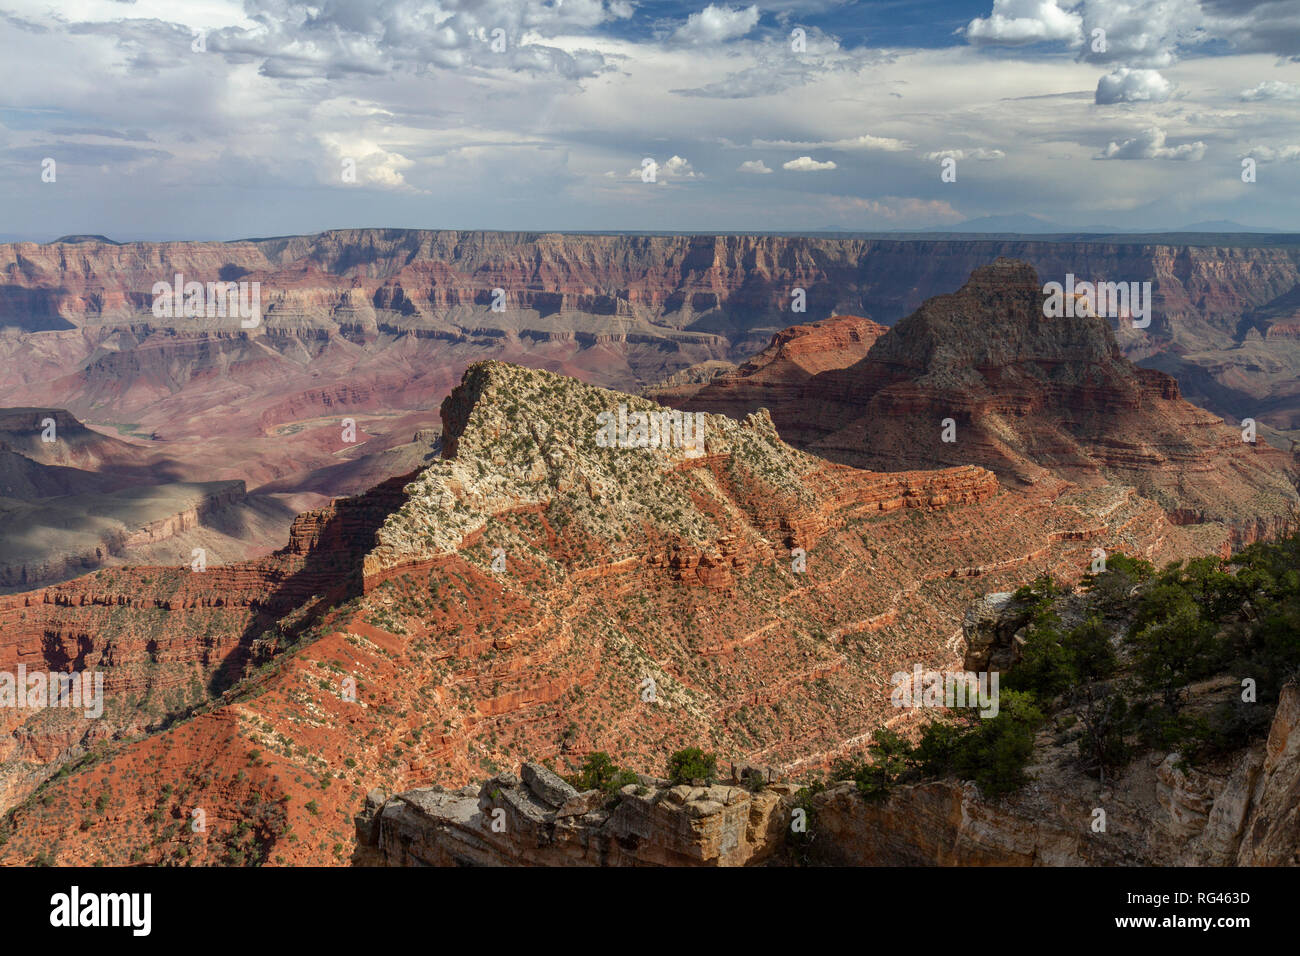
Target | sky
(218,119)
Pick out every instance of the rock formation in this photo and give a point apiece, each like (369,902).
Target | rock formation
(537,819)
(984,377)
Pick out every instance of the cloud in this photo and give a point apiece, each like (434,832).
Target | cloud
(1270,154)
(1150,144)
(1142,33)
(762,80)
(906,210)
(1016,22)
(675,167)
(438,122)
(980,153)
(373,164)
(1272,90)
(806,164)
(85,154)
(137,135)
(1132,86)
(1253,26)
(715,24)
(864,142)
(295,40)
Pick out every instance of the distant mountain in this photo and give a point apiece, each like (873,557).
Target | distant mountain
(1016,222)
(1221,225)
(1037,225)
(76,240)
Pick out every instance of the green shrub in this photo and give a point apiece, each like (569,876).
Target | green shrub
(600,773)
(995,753)
(692,764)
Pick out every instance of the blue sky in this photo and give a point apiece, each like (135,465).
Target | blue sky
(232,118)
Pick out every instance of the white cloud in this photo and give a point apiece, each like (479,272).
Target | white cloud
(980,153)
(1270,154)
(675,167)
(1150,144)
(864,142)
(1141,33)
(1126,85)
(715,24)
(1272,90)
(901,210)
(806,164)
(294,40)
(1016,22)
(753,166)
(883,143)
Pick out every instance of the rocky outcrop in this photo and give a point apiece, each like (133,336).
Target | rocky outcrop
(1269,824)
(540,820)
(1156,814)
(993,638)
(502,451)
(777,376)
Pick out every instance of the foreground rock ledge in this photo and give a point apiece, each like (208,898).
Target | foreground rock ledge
(1247,814)
(541,820)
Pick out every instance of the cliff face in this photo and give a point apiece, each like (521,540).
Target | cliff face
(1040,401)
(693,297)
(777,376)
(167,639)
(355,273)
(537,819)
(1157,814)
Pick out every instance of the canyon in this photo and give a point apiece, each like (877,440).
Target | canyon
(531,594)
(364,332)
(387,647)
